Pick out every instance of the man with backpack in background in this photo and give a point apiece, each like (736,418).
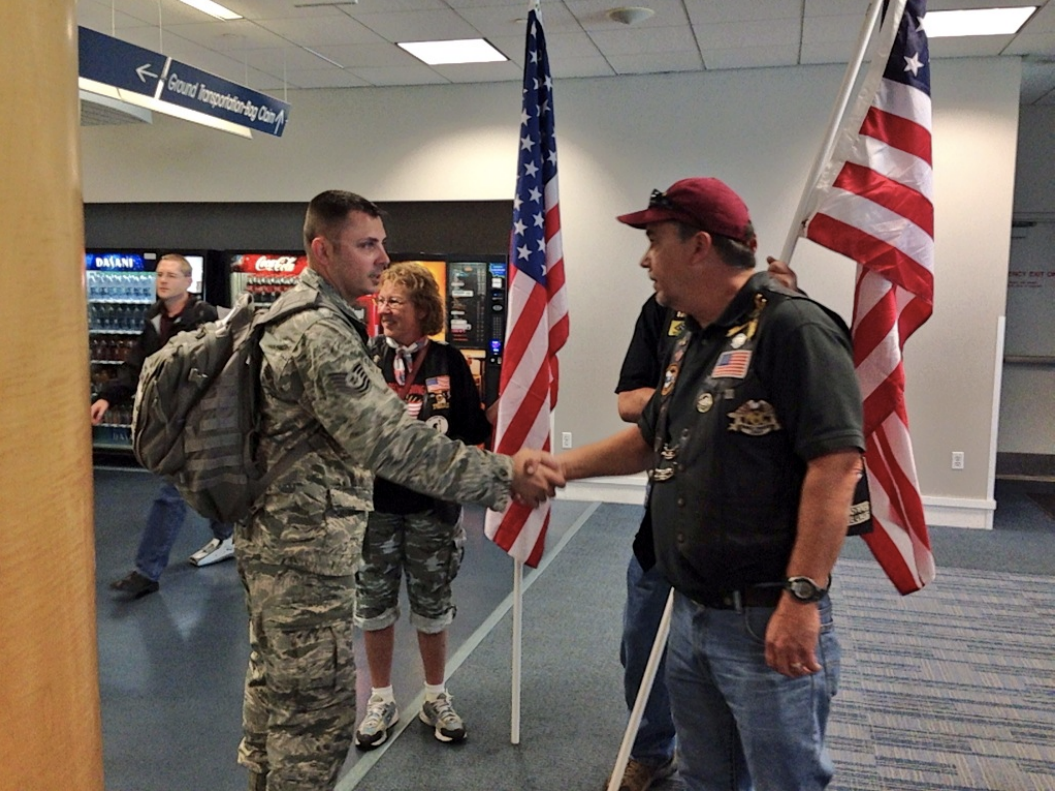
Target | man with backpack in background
(176,310)
(299,548)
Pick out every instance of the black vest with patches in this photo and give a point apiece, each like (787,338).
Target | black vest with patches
(726,488)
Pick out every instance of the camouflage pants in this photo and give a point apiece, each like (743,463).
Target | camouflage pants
(299,708)
(427,551)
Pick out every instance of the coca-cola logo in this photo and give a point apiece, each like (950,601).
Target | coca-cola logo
(286,263)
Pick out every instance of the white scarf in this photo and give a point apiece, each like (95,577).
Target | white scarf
(404,357)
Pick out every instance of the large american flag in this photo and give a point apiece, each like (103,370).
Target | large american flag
(537,322)
(874,205)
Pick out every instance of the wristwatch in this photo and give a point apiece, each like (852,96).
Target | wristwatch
(805,589)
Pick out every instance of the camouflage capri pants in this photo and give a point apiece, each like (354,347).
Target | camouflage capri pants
(424,549)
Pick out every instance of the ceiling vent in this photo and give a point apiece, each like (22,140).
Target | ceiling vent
(99,110)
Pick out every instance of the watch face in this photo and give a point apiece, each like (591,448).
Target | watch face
(804,590)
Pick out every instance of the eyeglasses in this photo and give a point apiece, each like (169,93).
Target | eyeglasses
(392,302)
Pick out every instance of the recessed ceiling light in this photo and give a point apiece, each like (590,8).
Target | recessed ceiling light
(213,9)
(976,22)
(466,50)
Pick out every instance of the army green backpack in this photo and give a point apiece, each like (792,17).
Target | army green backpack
(195,421)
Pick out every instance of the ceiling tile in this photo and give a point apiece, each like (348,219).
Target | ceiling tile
(285,60)
(968,47)
(279,9)
(750,57)
(731,35)
(325,78)
(497,21)
(656,62)
(707,12)
(817,52)
(378,6)
(592,15)
(418,25)
(238,34)
(318,30)
(368,55)
(401,75)
(832,28)
(96,16)
(1031,44)
(580,67)
(642,40)
(481,72)
(836,8)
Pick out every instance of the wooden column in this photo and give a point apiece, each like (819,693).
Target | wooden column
(50,733)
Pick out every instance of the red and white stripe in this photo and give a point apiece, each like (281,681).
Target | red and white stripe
(874,205)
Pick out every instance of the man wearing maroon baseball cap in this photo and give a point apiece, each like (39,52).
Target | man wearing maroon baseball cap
(705,204)
(753,443)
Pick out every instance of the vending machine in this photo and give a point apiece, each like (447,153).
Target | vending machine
(120,286)
(121,289)
(474,290)
(267,275)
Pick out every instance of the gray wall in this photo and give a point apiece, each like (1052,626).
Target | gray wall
(618,139)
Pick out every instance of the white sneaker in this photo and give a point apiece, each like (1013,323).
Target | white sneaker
(374,730)
(213,552)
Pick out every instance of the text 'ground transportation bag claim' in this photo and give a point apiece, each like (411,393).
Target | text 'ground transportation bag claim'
(196,413)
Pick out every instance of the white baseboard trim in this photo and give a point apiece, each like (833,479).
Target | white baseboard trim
(975,513)
(625,489)
(966,512)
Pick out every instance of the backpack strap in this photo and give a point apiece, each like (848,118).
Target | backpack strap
(293,301)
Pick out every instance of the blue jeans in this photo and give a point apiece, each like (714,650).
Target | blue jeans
(647,593)
(163,525)
(742,726)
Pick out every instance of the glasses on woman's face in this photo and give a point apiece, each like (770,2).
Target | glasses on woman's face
(392,302)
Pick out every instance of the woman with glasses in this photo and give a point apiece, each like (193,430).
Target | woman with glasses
(409,533)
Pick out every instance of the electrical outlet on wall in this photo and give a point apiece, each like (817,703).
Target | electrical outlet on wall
(566,439)
(957,460)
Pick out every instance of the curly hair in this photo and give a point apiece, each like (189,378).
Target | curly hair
(422,290)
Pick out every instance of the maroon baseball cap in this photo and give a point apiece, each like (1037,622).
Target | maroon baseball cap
(702,203)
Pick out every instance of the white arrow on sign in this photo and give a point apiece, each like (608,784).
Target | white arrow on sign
(143,72)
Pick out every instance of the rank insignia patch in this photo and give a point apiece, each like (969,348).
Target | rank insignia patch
(754,418)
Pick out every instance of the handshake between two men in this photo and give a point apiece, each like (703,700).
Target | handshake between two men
(536,476)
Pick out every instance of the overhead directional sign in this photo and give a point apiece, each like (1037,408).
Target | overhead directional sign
(125,66)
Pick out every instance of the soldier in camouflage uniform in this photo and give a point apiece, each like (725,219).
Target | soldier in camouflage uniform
(297,553)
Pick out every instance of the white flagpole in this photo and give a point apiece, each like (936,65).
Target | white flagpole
(515,685)
(836,116)
(648,677)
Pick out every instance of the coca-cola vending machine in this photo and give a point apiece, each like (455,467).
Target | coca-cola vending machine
(267,275)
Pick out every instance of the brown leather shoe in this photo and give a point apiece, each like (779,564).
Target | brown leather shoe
(135,584)
(641,777)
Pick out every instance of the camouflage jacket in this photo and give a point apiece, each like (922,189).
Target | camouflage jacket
(317,373)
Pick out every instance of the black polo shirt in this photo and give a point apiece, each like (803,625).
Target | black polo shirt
(755,396)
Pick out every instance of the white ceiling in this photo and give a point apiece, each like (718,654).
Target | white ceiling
(269,49)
